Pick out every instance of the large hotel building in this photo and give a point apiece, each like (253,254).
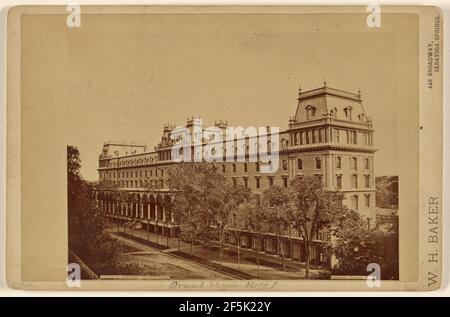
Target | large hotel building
(330,136)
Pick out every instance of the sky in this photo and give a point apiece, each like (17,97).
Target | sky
(129,75)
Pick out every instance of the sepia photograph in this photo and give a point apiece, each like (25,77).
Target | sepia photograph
(277,173)
(226,148)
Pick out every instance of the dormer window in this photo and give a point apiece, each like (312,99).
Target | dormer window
(310,111)
(333,113)
(348,113)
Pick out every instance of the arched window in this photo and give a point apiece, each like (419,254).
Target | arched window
(355,202)
(367,181)
(354,181)
(367,198)
(339,181)
(366,163)
(234,168)
(348,113)
(354,163)
(333,113)
(310,111)
(338,162)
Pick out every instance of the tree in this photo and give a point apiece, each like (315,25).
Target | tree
(248,216)
(204,200)
(85,220)
(243,217)
(355,245)
(313,208)
(277,213)
(192,182)
(223,200)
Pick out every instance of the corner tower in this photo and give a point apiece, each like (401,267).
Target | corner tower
(331,136)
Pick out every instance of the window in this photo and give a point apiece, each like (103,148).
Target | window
(367,200)
(245,167)
(285,182)
(234,181)
(245,182)
(367,181)
(295,138)
(354,163)
(258,201)
(223,169)
(339,182)
(285,165)
(334,113)
(354,181)
(299,164)
(366,163)
(318,163)
(355,202)
(270,181)
(348,113)
(338,162)
(310,110)
(258,182)
(257,166)
(234,168)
